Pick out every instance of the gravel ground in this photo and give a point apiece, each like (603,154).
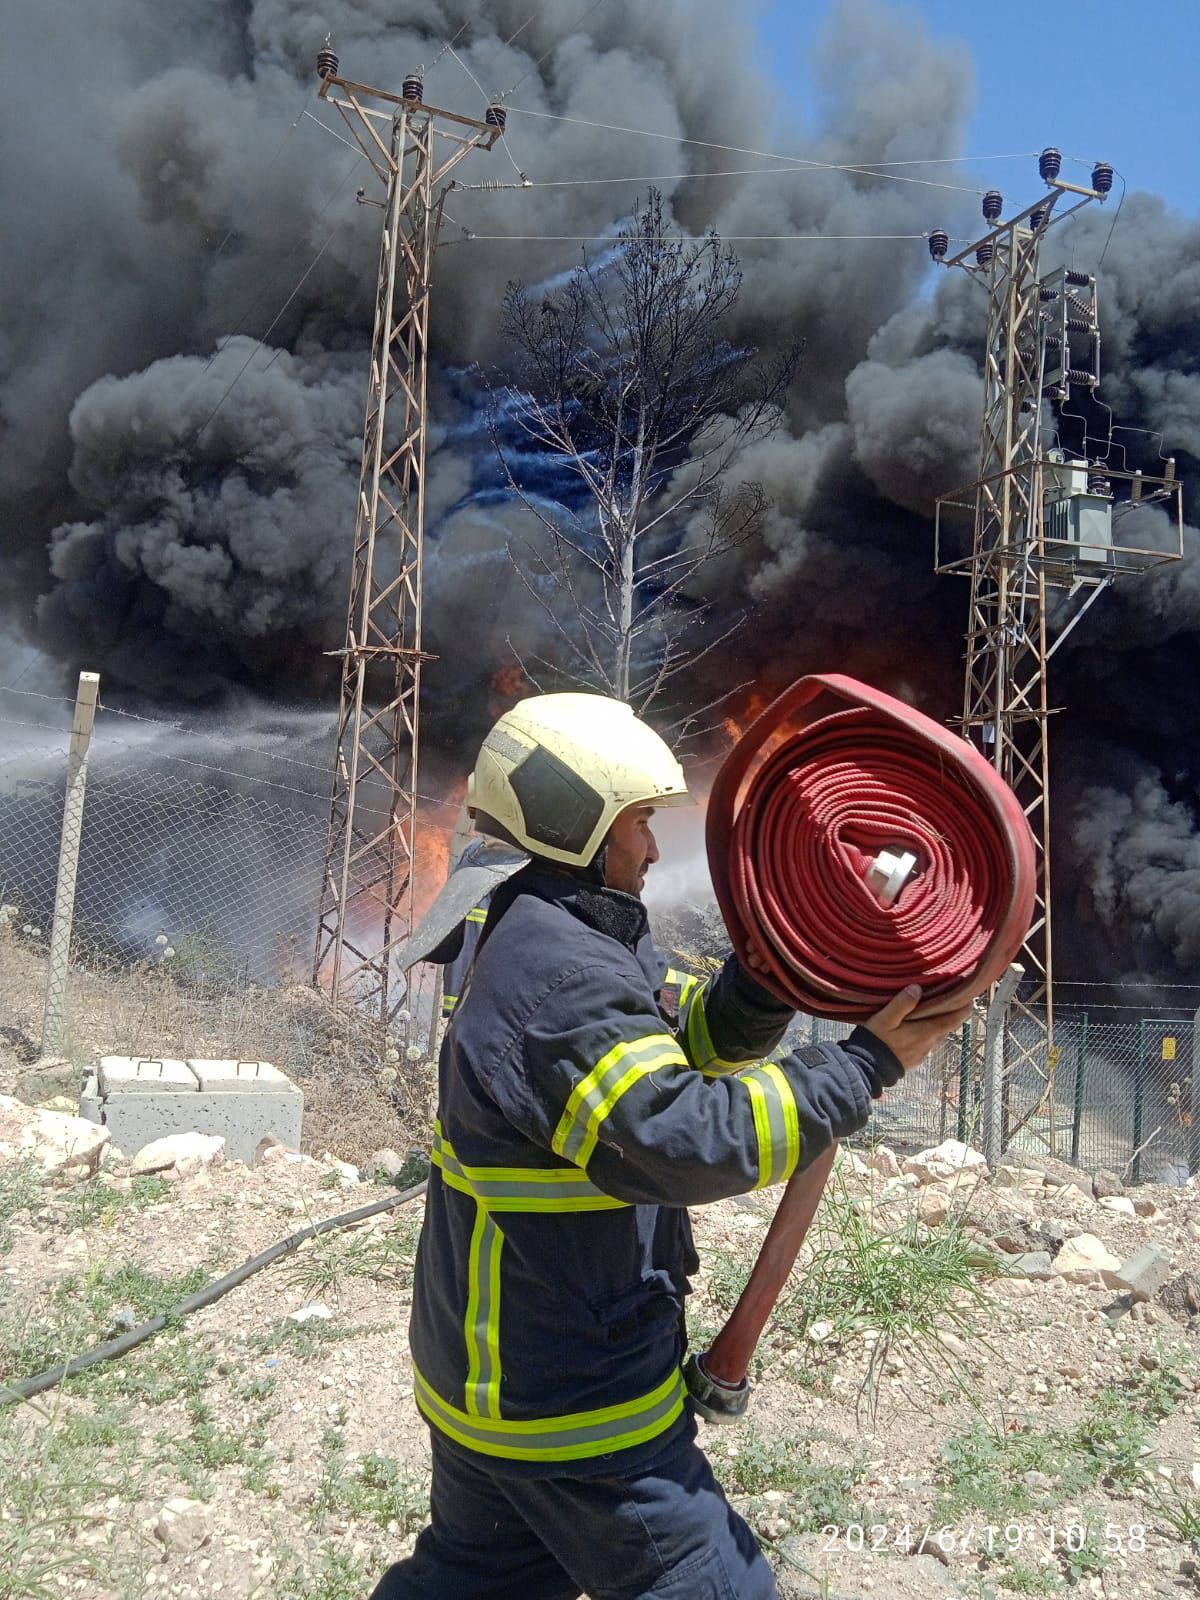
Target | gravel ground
(246,1453)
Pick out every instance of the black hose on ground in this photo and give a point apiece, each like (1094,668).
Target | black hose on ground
(28,1387)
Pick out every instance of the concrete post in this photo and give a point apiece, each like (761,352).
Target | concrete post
(993,1063)
(68,862)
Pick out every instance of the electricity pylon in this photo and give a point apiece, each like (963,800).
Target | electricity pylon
(366,900)
(1041,520)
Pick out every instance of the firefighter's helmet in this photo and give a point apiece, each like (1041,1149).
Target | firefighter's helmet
(558,768)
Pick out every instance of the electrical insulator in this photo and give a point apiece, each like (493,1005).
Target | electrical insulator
(1046,295)
(327,60)
(1099,484)
(939,243)
(496,117)
(993,205)
(1085,379)
(1036,218)
(1050,163)
(1079,279)
(1080,325)
(1102,177)
(413,88)
(984,254)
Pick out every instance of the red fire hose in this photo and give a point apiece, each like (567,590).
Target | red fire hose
(856,847)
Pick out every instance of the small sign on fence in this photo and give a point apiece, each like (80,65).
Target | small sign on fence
(1168,1049)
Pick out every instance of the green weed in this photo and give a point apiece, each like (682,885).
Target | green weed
(905,1284)
(326,1263)
(307,1339)
(206,1448)
(1089,1560)
(1178,1507)
(20,1193)
(56,1471)
(338,1577)
(1020,1578)
(815,1493)
(98,1204)
(83,1312)
(982,1466)
(374,1488)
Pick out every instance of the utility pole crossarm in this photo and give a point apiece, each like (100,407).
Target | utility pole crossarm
(366,902)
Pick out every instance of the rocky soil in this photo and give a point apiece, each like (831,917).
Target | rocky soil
(971,1375)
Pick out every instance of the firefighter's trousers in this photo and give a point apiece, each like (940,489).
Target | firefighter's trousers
(666,1533)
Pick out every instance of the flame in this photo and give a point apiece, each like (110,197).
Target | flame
(436,822)
(746,708)
(509,684)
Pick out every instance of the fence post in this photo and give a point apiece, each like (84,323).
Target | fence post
(1194,1129)
(1139,1098)
(964,1080)
(68,861)
(993,1063)
(1077,1109)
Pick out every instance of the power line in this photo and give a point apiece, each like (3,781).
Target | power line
(259,343)
(669,238)
(579,20)
(744,172)
(483,96)
(278,152)
(745,150)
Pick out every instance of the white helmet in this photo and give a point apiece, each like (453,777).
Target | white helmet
(558,768)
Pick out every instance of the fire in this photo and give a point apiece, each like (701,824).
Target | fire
(436,822)
(509,684)
(746,707)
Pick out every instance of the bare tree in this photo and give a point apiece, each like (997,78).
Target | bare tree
(626,377)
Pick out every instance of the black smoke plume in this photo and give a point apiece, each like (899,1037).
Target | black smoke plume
(179,455)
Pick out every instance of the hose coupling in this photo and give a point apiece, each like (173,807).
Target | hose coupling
(714,1400)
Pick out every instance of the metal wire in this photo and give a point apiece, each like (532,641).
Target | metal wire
(745,150)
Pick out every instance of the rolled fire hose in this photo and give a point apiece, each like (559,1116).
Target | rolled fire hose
(856,847)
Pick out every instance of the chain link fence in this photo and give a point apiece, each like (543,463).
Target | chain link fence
(1107,1094)
(198,880)
(195,909)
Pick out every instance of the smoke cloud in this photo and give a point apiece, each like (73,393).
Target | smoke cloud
(177,483)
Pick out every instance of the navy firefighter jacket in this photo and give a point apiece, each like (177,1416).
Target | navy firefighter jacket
(576,1123)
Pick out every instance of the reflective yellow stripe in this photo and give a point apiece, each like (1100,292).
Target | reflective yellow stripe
(483,1317)
(594,1096)
(478,915)
(689,983)
(694,1026)
(776,1122)
(561,1189)
(791,1118)
(449,1001)
(762,1127)
(574,1437)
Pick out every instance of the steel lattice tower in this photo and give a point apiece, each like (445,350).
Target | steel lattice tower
(366,899)
(1039,522)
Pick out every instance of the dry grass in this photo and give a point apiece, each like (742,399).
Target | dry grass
(356,1100)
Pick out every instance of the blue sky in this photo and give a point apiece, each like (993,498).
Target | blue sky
(1102,79)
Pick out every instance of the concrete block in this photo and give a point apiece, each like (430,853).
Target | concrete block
(141,1100)
(252,1077)
(1034,1264)
(1144,1274)
(148,1075)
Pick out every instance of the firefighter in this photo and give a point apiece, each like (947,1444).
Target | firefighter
(576,1124)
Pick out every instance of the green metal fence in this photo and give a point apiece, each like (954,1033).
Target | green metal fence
(1107,1094)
